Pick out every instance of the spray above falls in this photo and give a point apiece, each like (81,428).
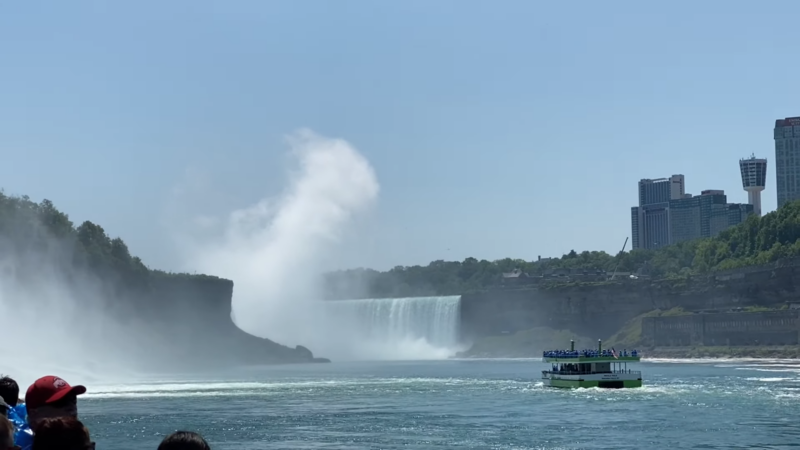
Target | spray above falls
(272,250)
(399,328)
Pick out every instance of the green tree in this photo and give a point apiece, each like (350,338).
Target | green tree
(758,240)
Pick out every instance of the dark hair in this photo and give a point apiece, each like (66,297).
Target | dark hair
(61,433)
(9,390)
(184,440)
(69,399)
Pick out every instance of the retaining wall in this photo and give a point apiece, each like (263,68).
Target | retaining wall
(746,328)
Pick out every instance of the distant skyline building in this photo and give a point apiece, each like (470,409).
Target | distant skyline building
(650,223)
(698,217)
(667,214)
(661,190)
(738,212)
(787,159)
(754,180)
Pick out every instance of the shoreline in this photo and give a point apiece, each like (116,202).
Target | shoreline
(701,352)
(697,352)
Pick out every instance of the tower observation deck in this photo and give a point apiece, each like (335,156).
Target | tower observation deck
(754,178)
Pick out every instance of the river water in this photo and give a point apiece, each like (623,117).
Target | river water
(478,404)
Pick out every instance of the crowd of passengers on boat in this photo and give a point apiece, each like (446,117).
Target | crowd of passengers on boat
(587,354)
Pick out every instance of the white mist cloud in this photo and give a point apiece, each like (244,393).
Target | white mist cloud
(52,326)
(274,249)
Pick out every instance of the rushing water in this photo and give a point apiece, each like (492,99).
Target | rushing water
(432,319)
(477,404)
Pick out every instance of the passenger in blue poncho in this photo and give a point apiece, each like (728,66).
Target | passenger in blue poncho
(17,413)
(9,391)
(48,397)
(23,436)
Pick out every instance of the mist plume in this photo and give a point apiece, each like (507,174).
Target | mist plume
(273,250)
(58,318)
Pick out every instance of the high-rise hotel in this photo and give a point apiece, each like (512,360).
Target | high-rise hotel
(650,220)
(667,214)
(787,159)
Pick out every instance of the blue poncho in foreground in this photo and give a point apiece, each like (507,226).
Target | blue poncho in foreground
(23,436)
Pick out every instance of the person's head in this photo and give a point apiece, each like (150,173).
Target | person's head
(61,433)
(183,440)
(7,435)
(9,390)
(50,397)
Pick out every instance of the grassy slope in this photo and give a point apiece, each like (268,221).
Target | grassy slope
(526,344)
(630,336)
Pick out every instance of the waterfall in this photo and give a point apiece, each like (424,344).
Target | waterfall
(419,325)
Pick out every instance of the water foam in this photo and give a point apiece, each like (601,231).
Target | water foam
(401,328)
(250,388)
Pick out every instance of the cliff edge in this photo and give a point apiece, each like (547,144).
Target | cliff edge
(91,290)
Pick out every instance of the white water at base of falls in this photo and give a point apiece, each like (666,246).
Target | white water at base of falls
(400,328)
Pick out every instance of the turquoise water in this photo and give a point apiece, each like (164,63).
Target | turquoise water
(454,404)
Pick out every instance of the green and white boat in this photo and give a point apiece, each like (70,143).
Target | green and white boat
(591,368)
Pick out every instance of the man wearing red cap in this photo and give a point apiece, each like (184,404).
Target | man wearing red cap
(51,397)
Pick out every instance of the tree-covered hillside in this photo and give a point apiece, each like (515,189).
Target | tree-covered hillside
(107,296)
(34,235)
(756,241)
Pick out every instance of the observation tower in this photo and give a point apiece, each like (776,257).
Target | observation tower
(754,178)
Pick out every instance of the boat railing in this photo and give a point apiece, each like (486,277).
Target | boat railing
(586,372)
(588,354)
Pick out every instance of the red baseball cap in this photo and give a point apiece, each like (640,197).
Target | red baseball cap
(49,389)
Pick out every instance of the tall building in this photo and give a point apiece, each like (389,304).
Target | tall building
(698,217)
(754,179)
(667,214)
(661,190)
(738,212)
(650,222)
(787,159)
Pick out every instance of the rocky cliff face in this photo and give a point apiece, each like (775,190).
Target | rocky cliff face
(193,318)
(86,291)
(602,309)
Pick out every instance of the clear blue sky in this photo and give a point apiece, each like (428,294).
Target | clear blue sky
(497,129)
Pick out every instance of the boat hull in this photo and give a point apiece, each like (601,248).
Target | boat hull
(575,384)
(629,379)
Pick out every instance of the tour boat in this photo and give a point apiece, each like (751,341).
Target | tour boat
(591,368)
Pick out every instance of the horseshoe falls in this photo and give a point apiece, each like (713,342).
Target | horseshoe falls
(398,328)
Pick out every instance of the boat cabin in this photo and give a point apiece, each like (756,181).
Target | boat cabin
(580,368)
(591,368)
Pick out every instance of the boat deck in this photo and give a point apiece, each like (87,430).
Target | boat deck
(585,372)
(591,368)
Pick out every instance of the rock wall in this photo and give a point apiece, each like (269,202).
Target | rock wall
(190,318)
(753,328)
(599,310)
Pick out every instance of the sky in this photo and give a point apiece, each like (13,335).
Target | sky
(496,128)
